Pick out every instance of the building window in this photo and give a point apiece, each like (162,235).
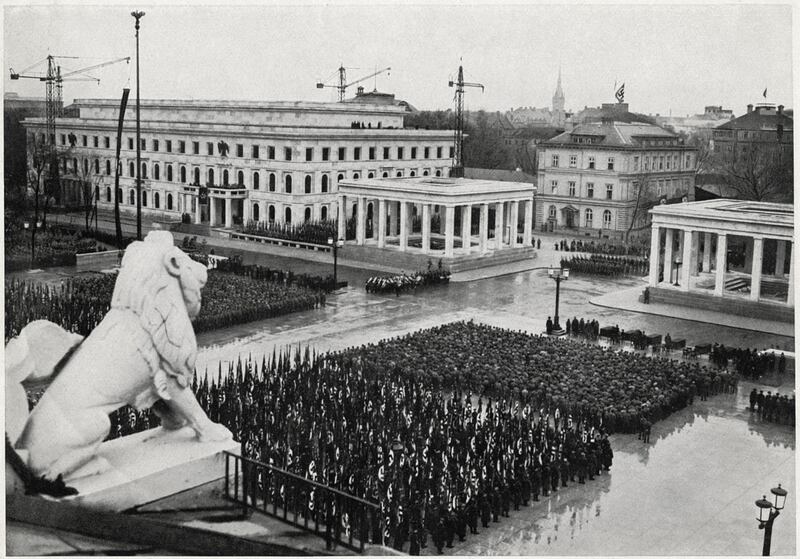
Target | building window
(156,200)
(155,145)
(439,152)
(131,169)
(107,141)
(326,154)
(660,188)
(271,213)
(83,140)
(356,176)
(63,139)
(324,183)
(240,178)
(646,163)
(661,163)
(169,173)
(225,177)
(132,197)
(573,160)
(607,219)
(255,212)
(181,146)
(272,182)
(156,172)
(288,214)
(196,175)
(169,146)
(196,148)
(399,173)
(270,152)
(94,141)
(590,190)
(342,153)
(669,161)
(588,218)
(412,174)
(553,186)
(399,153)
(307,214)
(309,154)
(386,153)
(308,184)
(339,178)
(108,167)
(130,143)
(438,172)
(571,185)
(610,163)
(255,181)
(144,198)
(254,154)
(688,162)
(211,176)
(97,166)
(554,161)
(144,144)
(609,191)
(239,150)
(452,152)
(324,213)
(108,194)
(288,184)
(370,175)
(371,154)
(426,153)
(591,161)
(413,153)
(209,148)
(551,212)
(287,154)
(356,154)
(169,201)
(635,162)
(182,173)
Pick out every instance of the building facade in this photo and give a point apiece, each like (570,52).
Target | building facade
(601,177)
(763,127)
(228,162)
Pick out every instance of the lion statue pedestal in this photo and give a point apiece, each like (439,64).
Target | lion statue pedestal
(141,354)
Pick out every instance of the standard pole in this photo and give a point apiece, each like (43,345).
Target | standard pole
(557,326)
(335,258)
(138,16)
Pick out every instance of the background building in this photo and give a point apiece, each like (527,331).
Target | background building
(602,177)
(241,160)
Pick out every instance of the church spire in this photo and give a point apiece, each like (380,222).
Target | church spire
(558,96)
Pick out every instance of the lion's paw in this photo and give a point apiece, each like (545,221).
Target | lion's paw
(213,432)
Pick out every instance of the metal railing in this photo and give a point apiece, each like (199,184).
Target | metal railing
(336,516)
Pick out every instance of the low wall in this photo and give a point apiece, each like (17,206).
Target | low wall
(270,240)
(412,261)
(730,305)
(106,259)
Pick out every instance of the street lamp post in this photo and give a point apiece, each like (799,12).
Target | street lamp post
(335,246)
(558,275)
(768,512)
(533,210)
(138,15)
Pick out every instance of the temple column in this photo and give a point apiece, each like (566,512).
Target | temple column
(361,220)
(393,209)
(212,211)
(426,228)
(450,213)
(707,252)
(668,242)
(748,255)
(341,217)
(228,213)
(780,258)
(722,255)
(513,222)
(686,269)
(483,232)
(381,225)
(498,225)
(655,254)
(755,271)
(527,226)
(695,254)
(466,228)
(246,207)
(198,214)
(403,226)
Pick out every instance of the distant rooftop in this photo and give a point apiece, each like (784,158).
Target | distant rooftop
(760,117)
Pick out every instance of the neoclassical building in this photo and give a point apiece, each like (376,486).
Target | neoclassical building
(730,255)
(227,162)
(598,176)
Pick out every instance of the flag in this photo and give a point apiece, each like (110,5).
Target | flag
(765,93)
(620,94)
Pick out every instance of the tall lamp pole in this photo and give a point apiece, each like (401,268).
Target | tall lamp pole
(336,246)
(138,15)
(559,275)
(768,512)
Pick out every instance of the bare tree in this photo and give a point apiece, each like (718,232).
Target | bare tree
(758,172)
(645,198)
(89,183)
(38,155)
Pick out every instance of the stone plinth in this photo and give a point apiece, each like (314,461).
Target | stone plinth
(150,465)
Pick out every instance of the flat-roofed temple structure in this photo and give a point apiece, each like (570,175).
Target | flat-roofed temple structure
(730,255)
(451,218)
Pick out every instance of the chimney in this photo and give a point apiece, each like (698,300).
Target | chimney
(749,108)
(780,109)
(360,90)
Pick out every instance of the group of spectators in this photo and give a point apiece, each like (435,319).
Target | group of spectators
(750,363)
(776,408)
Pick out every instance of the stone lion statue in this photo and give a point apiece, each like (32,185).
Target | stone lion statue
(141,354)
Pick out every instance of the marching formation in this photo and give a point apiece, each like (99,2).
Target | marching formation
(405,282)
(603,265)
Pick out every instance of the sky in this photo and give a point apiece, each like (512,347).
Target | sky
(673,59)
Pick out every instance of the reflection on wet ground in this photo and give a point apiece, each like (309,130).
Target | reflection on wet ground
(689,492)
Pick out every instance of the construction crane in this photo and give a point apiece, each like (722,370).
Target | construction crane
(343,85)
(54,104)
(458,136)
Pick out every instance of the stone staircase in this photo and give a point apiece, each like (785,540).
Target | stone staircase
(496,258)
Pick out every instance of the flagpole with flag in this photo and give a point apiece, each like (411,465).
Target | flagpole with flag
(620,94)
(765,93)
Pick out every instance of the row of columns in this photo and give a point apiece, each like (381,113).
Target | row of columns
(692,259)
(402,226)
